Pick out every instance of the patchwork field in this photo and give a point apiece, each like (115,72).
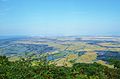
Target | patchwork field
(62,51)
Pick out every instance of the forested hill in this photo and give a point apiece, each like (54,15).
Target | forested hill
(25,69)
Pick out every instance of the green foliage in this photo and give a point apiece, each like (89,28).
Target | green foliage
(23,69)
(115,62)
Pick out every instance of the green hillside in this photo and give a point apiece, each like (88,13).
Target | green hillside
(24,69)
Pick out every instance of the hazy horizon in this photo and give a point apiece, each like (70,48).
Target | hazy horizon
(59,17)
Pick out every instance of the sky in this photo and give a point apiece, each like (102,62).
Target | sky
(60,17)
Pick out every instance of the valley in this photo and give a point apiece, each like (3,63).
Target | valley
(64,50)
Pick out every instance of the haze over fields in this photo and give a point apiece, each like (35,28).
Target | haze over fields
(59,39)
